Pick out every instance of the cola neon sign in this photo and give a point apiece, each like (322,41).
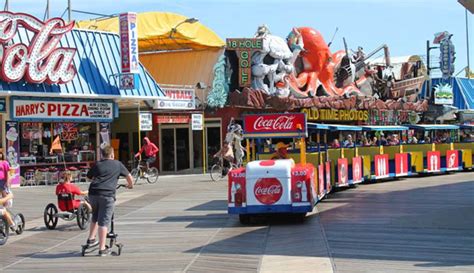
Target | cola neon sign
(42,60)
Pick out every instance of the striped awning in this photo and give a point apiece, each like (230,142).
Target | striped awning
(97,62)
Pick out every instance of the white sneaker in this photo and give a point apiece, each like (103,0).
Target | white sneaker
(13,227)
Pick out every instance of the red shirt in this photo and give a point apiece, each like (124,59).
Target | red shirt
(68,188)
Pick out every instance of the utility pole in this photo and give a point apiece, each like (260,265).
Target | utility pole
(46,13)
(69,10)
(6,7)
(428,69)
(468,73)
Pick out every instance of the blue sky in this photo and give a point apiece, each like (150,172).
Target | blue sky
(404,25)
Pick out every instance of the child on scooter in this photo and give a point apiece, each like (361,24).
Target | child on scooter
(66,187)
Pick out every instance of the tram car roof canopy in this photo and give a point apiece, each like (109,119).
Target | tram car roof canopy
(427,127)
(384,128)
(332,127)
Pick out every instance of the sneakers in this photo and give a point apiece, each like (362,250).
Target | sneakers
(92,243)
(104,252)
(13,227)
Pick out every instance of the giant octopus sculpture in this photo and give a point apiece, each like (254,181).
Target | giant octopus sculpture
(317,65)
(302,72)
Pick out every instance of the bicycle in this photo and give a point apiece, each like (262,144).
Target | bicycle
(142,170)
(5,228)
(217,170)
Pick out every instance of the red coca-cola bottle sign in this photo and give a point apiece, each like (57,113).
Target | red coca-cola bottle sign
(268,190)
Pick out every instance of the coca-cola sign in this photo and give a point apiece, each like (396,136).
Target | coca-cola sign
(41,60)
(268,190)
(288,124)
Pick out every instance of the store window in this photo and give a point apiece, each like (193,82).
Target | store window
(77,141)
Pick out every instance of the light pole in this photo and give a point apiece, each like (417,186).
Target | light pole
(191,20)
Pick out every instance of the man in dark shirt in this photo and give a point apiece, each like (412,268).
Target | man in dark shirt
(104,175)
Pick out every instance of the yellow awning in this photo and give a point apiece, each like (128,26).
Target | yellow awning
(154,29)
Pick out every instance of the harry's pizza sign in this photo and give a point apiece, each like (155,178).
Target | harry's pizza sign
(42,110)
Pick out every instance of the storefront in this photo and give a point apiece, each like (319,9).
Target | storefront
(60,89)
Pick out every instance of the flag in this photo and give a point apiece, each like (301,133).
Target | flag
(56,145)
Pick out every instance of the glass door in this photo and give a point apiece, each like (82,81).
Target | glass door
(182,148)
(167,150)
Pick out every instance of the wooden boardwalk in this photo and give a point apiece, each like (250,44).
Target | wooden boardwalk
(181,225)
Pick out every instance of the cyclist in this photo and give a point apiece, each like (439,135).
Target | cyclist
(150,151)
(66,187)
(6,201)
(227,156)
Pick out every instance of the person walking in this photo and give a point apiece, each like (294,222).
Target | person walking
(104,176)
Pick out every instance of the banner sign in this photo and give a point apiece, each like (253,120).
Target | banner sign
(129,42)
(275,125)
(328,177)
(197,122)
(13,151)
(146,121)
(321,189)
(335,115)
(172,119)
(181,97)
(129,81)
(381,166)
(40,60)
(40,109)
(452,160)
(401,164)
(244,48)
(433,160)
(342,171)
(443,94)
(357,169)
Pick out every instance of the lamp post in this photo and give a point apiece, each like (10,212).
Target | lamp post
(191,20)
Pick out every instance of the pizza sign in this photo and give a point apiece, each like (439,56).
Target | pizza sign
(41,60)
(41,110)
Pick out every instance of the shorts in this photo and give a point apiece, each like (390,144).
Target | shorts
(102,209)
(150,160)
(3,185)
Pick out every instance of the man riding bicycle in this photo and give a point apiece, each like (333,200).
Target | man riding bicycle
(149,150)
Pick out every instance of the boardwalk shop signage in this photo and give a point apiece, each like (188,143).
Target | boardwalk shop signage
(176,98)
(335,115)
(49,110)
(129,42)
(244,48)
(40,60)
(283,125)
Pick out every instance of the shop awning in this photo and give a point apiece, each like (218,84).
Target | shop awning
(384,128)
(162,31)
(332,127)
(427,127)
(467,126)
(97,62)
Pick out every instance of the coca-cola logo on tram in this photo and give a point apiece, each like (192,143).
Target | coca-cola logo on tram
(268,190)
(40,61)
(271,123)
